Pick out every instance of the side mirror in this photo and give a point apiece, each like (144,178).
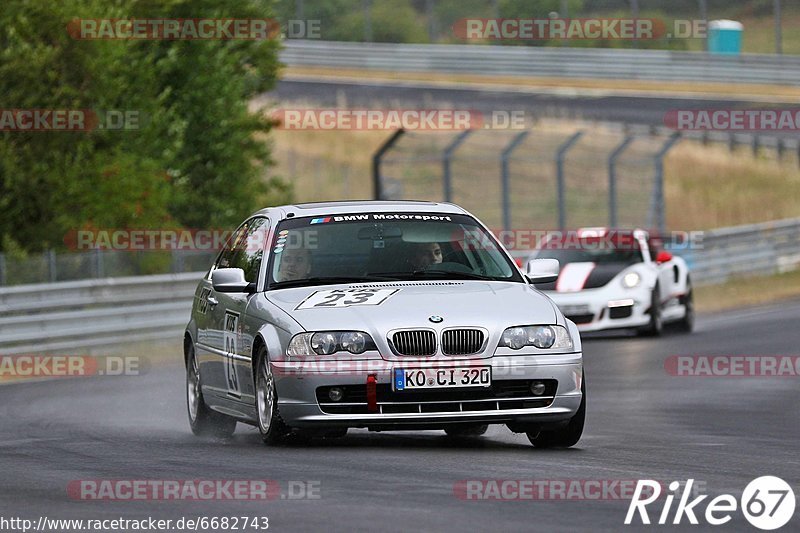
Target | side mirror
(542,270)
(663,257)
(230,280)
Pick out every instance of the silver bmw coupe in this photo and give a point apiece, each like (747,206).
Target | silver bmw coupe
(385,315)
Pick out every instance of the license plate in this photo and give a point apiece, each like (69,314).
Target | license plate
(441,378)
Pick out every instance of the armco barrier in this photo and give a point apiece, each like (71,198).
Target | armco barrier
(656,65)
(94,313)
(757,249)
(114,311)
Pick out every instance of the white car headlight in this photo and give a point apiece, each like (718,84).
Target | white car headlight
(631,280)
(354,341)
(330,342)
(544,337)
(300,345)
(324,343)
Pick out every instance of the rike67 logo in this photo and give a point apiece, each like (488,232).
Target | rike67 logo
(767,502)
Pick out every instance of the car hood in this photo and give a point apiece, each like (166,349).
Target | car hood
(492,305)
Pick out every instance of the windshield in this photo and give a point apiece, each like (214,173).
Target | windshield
(592,250)
(384,247)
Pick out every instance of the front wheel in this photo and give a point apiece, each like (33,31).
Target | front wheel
(656,324)
(566,436)
(687,322)
(270,424)
(202,420)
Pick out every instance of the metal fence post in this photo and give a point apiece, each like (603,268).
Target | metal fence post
(505,180)
(50,256)
(447,157)
(612,179)
(178,261)
(560,154)
(2,269)
(656,215)
(98,263)
(376,163)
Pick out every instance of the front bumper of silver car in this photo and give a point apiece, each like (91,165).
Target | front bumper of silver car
(304,402)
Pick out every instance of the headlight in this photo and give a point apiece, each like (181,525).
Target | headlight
(354,341)
(300,345)
(330,342)
(630,280)
(324,343)
(544,337)
(515,338)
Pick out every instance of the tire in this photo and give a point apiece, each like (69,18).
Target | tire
(566,436)
(656,324)
(466,430)
(686,324)
(270,424)
(203,421)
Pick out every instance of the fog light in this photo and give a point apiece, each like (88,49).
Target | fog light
(537,388)
(335,394)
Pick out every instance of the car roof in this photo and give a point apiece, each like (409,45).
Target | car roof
(361,206)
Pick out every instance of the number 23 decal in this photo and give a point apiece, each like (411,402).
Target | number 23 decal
(346,298)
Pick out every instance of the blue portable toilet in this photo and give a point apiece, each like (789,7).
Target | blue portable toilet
(725,37)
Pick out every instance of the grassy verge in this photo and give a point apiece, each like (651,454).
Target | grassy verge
(744,292)
(709,187)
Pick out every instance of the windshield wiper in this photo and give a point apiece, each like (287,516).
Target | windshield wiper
(329,280)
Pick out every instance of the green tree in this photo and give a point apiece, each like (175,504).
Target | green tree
(195,158)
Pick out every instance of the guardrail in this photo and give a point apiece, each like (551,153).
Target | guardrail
(766,248)
(113,311)
(654,65)
(94,313)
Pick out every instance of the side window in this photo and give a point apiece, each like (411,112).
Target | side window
(225,257)
(245,250)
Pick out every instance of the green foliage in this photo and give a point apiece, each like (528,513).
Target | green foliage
(392,21)
(195,158)
(537,8)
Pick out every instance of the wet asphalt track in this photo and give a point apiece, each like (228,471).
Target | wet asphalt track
(642,423)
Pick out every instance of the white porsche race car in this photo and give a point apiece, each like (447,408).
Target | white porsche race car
(613,278)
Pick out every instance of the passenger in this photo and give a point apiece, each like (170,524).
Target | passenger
(295,263)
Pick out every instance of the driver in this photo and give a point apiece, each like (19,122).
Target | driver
(425,254)
(295,264)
